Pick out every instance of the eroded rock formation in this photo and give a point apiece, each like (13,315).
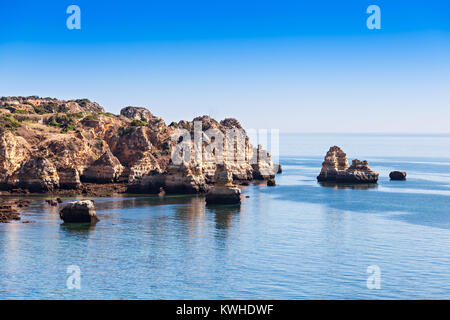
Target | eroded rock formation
(50,145)
(79,212)
(335,168)
(105,169)
(37,175)
(137,113)
(223,192)
(9,209)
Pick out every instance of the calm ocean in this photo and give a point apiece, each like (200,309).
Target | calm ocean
(298,240)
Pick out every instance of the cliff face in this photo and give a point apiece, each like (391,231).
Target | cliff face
(48,144)
(335,168)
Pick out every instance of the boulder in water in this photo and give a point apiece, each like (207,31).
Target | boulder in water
(397,175)
(79,212)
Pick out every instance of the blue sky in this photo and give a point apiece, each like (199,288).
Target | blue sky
(299,66)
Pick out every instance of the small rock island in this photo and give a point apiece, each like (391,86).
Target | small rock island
(335,168)
(398,175)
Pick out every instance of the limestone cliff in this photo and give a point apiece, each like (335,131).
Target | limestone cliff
(47,145)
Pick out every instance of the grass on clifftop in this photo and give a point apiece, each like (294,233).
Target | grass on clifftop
(8,122)
(133,125)
(63,121)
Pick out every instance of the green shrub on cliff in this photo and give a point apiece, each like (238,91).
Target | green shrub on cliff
(63,121)
(133,125)
(137,123)
(91,117)
(62,108)
(20,111)
(125,130)
(108,114)
(77,115)
(98,143)
(45,108)
(83,102)
(9,122)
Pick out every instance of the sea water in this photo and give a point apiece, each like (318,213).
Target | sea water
(298,240)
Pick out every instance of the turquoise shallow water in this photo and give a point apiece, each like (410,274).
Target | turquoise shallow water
(299,240)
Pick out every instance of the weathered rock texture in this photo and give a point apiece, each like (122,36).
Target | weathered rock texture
(37,175)
(335,168)
(79,212)
(397,175)
(105,169)
(223,192)
(9,209)
(8,212)
(50,145)
(137,113)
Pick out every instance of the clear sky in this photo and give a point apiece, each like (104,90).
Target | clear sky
(299,66)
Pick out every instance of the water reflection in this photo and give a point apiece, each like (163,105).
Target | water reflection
(192,214)
(353,186)
(78,227)
(144,201)
(223,214)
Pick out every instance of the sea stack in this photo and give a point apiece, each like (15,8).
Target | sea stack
(223,192)
(397,175)
(335,168)
(79,212)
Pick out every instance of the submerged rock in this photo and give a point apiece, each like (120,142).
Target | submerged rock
(79,211)
(52,202)
(8,212)
(397,175)
(9,209)
(335,168)
(223,192)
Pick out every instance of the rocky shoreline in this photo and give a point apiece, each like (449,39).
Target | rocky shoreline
(9,209)
(74,147)
(86,189)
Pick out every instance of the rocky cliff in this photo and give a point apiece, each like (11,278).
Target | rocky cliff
(335,168)
(48,145)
